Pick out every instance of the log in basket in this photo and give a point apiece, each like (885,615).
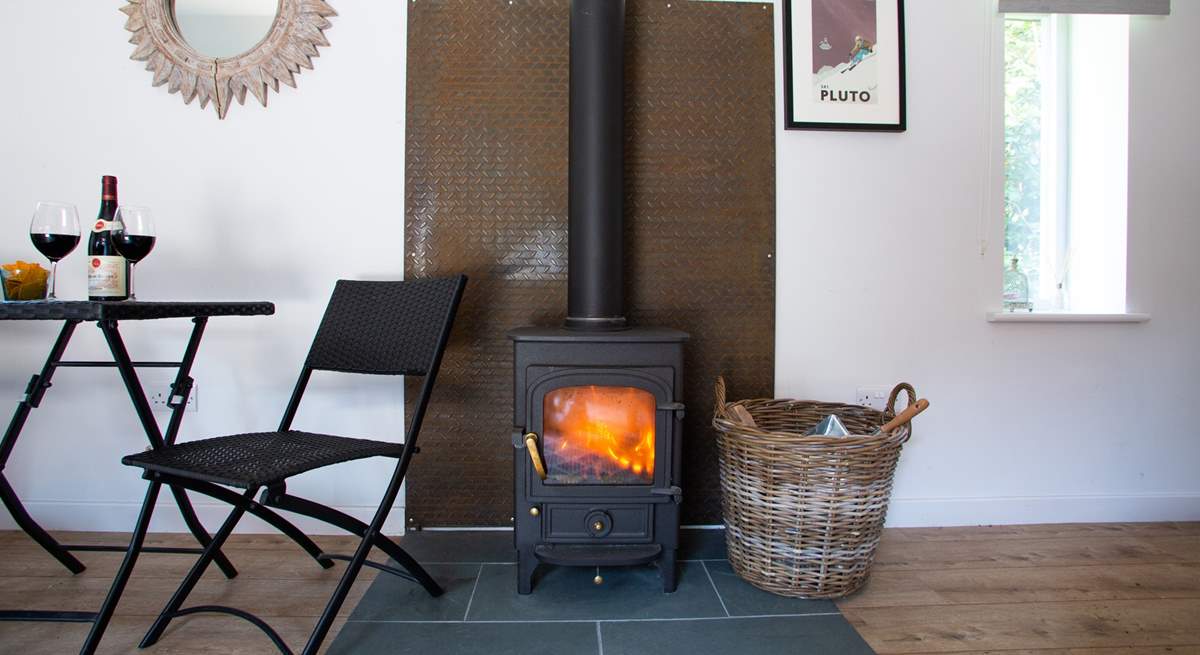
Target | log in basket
(804,513)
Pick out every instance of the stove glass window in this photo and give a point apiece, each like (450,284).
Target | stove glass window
(599,435)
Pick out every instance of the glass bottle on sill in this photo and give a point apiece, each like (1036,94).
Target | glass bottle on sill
(1016,289)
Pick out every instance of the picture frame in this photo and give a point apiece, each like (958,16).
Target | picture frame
(844,65)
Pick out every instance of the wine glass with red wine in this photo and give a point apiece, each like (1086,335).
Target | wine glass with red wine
(133,237)
(54,231)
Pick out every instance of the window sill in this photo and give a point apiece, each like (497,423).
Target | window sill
(1064,317)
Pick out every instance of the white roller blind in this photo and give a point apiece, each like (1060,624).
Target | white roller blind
(1132,7)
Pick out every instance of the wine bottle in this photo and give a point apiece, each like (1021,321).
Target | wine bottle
(108,271)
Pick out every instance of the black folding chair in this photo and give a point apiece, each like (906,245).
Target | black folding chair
(379,328)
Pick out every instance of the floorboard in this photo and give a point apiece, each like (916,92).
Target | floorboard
(1130,588)
(276,580)
(1103,589)
(1002,626)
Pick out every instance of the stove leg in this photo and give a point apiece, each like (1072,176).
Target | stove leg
(667,568)
(527,563)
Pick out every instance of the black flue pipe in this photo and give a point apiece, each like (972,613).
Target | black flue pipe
(595,280)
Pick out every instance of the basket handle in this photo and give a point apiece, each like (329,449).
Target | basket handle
(912,404)
(736,412)
(905,387)
(906,416)
(719,396)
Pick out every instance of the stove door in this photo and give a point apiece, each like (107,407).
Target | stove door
(609,429)
(599,434)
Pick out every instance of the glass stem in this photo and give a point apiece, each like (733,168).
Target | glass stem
(53,278)
(132,265)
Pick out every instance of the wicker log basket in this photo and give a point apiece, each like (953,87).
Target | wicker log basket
(803,514)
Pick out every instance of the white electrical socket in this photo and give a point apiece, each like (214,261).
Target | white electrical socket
(873,397)
(157,385)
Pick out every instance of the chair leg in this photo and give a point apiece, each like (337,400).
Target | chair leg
(352,525)
(189,582)
(414,568)
(197,529)
(122,577)
(338,597)
(291,532)
(369,539)
(255,509)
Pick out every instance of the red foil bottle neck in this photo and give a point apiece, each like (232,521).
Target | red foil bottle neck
(108,187)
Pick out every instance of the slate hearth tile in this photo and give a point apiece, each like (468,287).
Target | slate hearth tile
(777,635)
(562,592)
(702,544)
(744,599)
(393,599)
(466,639)
(464,546)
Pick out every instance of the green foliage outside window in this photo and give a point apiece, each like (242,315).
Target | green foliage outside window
(1022,144)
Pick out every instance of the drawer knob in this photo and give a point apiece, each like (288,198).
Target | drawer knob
(533,511)
(598,523)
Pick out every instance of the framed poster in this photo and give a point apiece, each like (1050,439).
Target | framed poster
(844,65)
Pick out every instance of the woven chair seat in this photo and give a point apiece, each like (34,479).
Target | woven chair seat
(258,459)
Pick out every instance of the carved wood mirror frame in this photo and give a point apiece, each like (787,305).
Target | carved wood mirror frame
(287,48)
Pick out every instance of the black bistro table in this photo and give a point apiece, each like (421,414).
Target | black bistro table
(107,316)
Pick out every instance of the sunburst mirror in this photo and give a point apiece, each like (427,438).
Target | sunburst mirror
(218,50)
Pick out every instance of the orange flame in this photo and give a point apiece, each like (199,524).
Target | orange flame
(597,433)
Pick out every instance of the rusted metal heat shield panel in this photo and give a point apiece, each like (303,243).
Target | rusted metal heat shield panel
(486,194)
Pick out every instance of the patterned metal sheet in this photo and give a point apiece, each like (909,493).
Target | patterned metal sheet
(487,195)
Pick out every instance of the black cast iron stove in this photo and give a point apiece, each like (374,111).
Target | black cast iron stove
(597,404)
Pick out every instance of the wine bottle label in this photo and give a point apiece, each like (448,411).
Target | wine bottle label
(102,225)
(106,276)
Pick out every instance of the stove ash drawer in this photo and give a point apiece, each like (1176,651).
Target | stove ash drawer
(588,523)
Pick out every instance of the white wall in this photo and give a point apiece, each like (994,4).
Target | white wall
(268,204)
(881,232)
(1029,423)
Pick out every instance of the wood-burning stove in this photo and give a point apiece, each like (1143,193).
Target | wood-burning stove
(600,415)
(597,405)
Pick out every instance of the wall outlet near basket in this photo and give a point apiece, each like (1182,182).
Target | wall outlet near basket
(158,387)
(873,397)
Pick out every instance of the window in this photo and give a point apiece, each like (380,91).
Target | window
(1066,127)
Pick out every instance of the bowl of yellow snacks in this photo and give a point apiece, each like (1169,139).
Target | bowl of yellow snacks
(24,281)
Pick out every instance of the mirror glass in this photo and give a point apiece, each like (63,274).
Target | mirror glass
(224,28)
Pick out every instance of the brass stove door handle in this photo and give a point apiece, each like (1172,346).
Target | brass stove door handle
(531,439)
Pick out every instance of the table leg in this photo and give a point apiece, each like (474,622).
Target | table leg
(122,578)
(182,387)
(157,440)
(38,385)
(35,531)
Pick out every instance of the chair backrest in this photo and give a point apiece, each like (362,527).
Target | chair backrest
(386,328)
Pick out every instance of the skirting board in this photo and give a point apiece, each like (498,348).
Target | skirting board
(903,513)
(1015,510)
(120,517)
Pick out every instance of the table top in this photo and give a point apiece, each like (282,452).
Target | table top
(126,310)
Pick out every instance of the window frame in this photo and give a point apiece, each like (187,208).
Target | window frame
(1056,183)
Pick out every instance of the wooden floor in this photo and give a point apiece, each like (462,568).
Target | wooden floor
(1132,589)
(1129,589)
(276,580)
